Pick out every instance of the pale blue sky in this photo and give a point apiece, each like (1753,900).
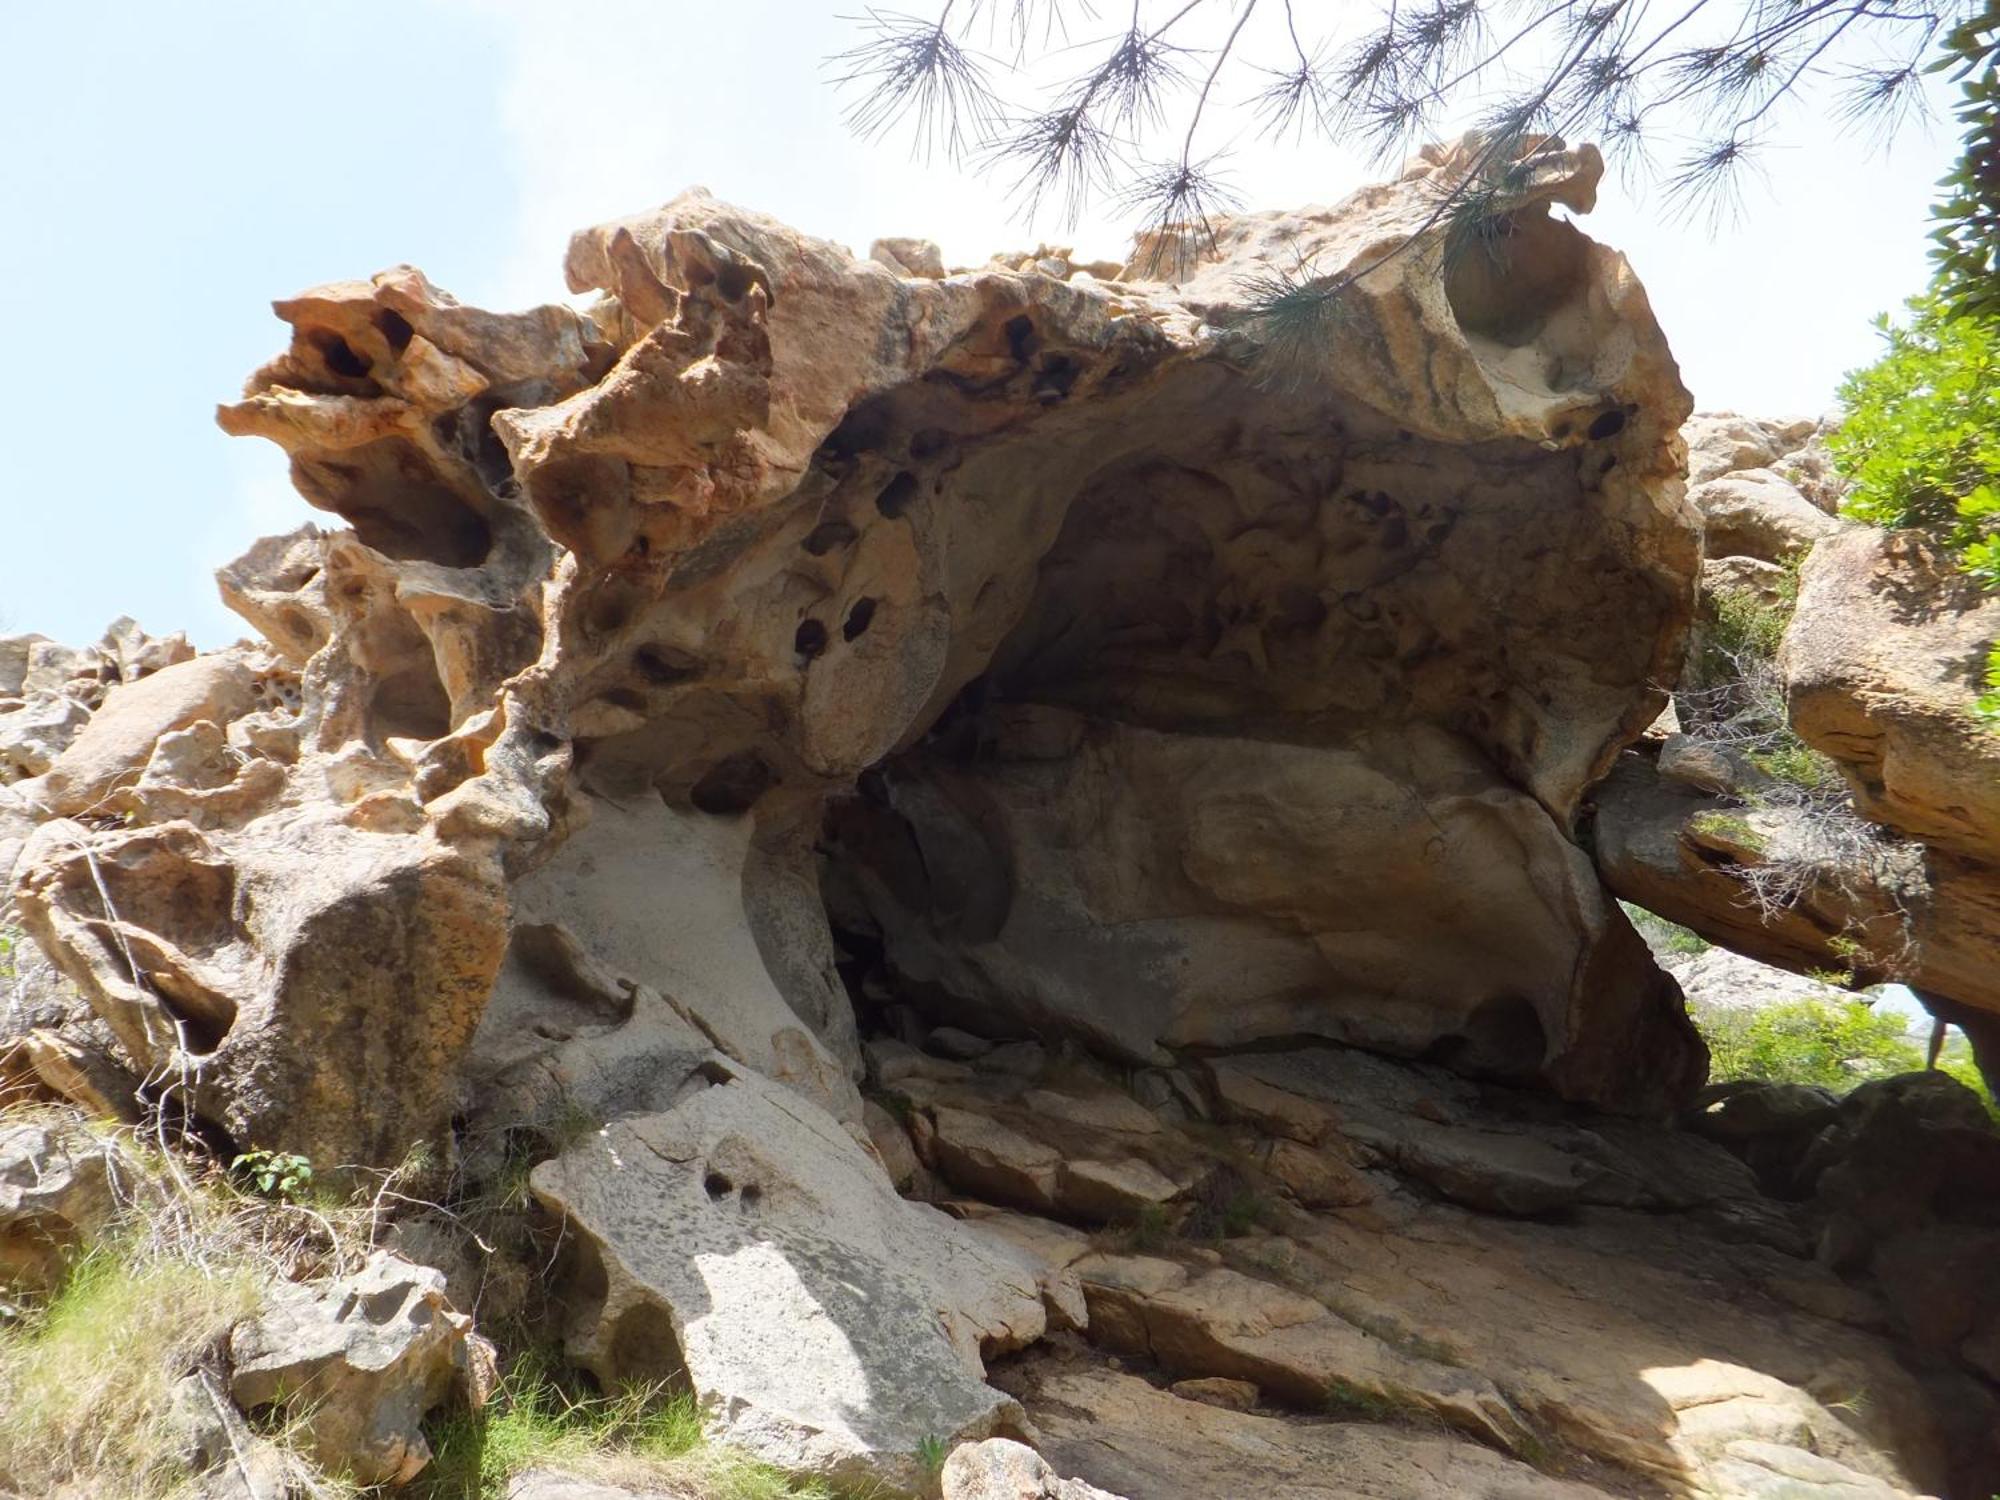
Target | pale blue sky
(171,169)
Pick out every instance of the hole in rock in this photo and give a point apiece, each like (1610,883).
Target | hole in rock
(627,699)
(411,704)
(858,618)
(751,1195)
(1057,375)
(664,666)
(717,1186)
(202,1017)
(897,494)
(394,328)
(1609,425)
(809,640)
(398,504)
(828,535)
(733,784)
(1022,340)
(862,430)
(1508,290)
(337,354)
(643,1349)
(468,431)
(733,280)
(298,625)
(1502,1038)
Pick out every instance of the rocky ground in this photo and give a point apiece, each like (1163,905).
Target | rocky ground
(947,867)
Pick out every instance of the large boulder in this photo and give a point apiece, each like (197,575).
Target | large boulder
(1756,514)
(999,1469)
(357,1362)
(744,1244)
(1882,662)
(1898,879)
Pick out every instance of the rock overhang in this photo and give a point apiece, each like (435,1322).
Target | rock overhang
(768,523)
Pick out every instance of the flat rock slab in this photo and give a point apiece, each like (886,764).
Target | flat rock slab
(1119,1433)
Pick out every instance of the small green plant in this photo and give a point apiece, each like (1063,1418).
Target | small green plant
(1244,1212)
(1150,1229)
(1789,758)
(1987,704)
(284,1175)
(1662,935)
(645,1436)
(1349,1402)
(932,1451)
(1732,827)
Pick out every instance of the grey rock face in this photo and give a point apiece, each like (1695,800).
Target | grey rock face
(358,1362)
(745,1242)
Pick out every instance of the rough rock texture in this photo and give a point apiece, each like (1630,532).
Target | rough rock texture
(1153,891)
(58,1187)
(795,647)
(1511,1277)
(1718,978)
(1122,1432)
(1884,655)
(1881,661)
(1001,1470)
(625,596)
(743,1241)
(48,690)
(358,1362)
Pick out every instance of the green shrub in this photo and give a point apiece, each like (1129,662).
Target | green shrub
(1662,935)
(1921,442)
(1921,434)
(1834,1044)
(1732,693)
(1956,1061)
(275,1174)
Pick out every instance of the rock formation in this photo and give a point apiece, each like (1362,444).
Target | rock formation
(1154,778)
(1035,554)
(1883,647)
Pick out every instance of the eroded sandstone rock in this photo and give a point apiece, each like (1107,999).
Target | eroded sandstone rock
(625,597)
(59,1188)
(1882,661)
(357,1362)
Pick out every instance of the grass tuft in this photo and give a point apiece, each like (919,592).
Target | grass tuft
(87,1380)
(644,1436)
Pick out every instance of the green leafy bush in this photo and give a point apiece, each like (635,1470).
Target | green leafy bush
(284,1175)
(1831,1044)
(1921,435)
(1921,441)
(1968,229)
(1664,936)
(1834,1044)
